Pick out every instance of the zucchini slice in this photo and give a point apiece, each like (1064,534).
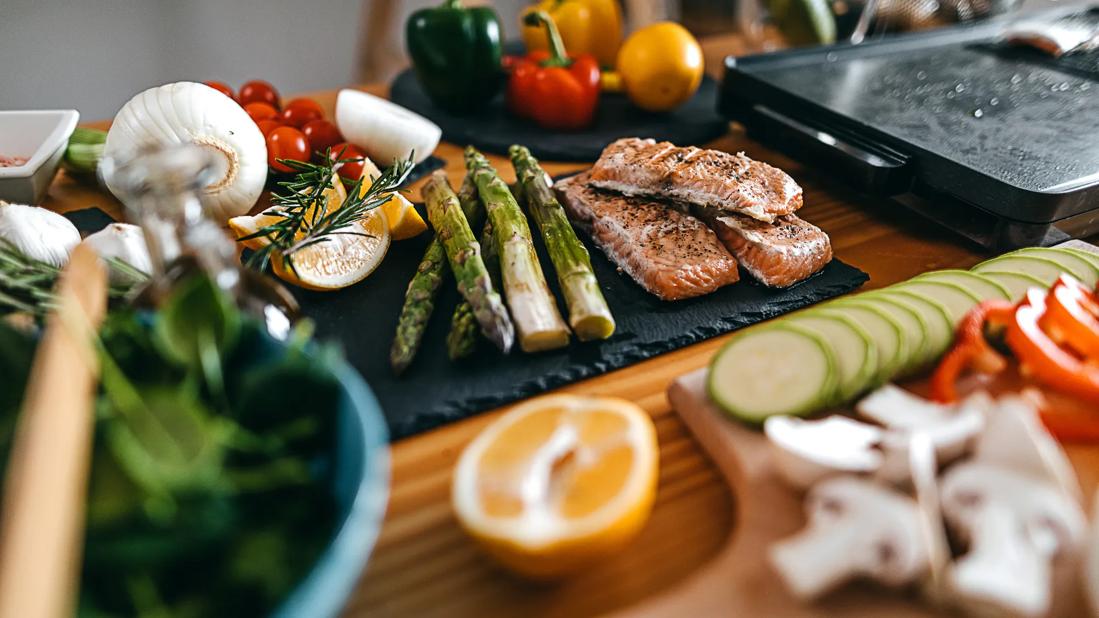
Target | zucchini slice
(956,299)
(1090,256)
(1075,265)
(776,369)
(982,286)
(1016,283)
(884,331)
(913,326)
(1041,268)
(940,329)
(855,354)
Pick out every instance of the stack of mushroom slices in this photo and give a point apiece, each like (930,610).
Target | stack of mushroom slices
(974,502)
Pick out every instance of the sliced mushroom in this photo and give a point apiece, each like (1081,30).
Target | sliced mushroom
(805,452)
(856,528)
(1014,525)
(951,428)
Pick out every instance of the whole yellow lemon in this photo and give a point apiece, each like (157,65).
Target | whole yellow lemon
(661,66)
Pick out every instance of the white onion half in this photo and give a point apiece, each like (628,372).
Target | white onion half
(188,112)
(385,130)
(124,242)
(38,233)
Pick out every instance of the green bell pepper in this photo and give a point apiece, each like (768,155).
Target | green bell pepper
(456,52)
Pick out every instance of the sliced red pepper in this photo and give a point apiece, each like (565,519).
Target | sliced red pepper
(1041,357)
(1067,419)
(1072,317)
(971,350)
(554,90)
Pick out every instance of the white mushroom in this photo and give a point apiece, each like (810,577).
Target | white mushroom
(856,528)
(124,242)
(38,233)
(1014,525)
(805,452)
(951,428)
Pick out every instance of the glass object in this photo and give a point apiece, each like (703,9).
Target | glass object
(161,191)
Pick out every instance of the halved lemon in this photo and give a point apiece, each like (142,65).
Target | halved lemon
(558,482)
(342,259)
(246,225)
(404,221)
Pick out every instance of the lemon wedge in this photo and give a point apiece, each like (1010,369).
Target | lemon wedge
(557,482)
(246,225)
(404,221)
(343,259)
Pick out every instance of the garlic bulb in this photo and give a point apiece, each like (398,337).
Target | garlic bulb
(124,242)
(385,130)
(187,112)
(38,233)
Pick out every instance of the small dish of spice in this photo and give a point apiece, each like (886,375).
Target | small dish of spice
(31,146)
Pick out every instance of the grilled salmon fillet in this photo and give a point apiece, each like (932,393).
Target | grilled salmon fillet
(671,254)
(709,178)
(777,255)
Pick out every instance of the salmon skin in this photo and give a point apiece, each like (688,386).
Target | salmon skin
(670,253)
(777,255)
(707,178)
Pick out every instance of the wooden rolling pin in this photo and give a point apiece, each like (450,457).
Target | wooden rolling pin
(42,522)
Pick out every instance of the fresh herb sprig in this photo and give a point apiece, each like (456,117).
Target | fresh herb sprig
(302,208)
(27,284)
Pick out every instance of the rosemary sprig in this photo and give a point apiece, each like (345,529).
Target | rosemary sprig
(302,208)
(26,284)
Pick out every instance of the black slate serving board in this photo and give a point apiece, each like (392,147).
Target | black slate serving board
(493,130)
(435,391)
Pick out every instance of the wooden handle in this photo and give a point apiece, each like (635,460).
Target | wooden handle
(42,523)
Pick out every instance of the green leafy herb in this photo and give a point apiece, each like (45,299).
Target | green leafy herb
(302,208)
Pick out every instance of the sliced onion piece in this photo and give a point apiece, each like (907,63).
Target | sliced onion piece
(385,130)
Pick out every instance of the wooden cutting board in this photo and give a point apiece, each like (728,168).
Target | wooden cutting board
(739,581)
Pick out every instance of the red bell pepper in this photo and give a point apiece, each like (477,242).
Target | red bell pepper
(1072,317)
(971,350)
(550,88)
(1041,357)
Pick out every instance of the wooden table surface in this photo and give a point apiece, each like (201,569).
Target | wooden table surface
(424,565)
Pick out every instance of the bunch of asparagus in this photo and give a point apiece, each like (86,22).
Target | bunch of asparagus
(505,259)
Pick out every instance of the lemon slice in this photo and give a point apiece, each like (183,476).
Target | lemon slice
(404,221)
(246,225)
(558,482)
(342,259)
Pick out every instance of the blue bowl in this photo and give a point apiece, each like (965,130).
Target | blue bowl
(360,488)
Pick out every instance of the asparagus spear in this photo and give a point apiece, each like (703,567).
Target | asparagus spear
(464,255)
(419,300)
(534,309)
(462,338)
(589,315)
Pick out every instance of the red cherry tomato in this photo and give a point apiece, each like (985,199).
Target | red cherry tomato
(286,143)
(223,88)
(321,134)
(266,126)
(306,104)
(259,91)
(351,170)
(261,111)
(299,116)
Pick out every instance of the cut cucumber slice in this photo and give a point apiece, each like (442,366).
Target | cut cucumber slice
(1075,265)
(982,286)
(777,369)
(956,299)
(884,331)
(1016,283)
(854,352)
(1041,268)
(940,330)
(1090,256)
(913,327)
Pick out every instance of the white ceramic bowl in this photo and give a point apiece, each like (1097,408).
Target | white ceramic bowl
(41,136)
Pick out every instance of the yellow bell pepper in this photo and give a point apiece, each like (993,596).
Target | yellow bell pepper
(586,26)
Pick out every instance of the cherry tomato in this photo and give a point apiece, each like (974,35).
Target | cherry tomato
(351,170)
(321,134)
(299,116)
(259,91)
(223,88)
(266,126)
(307,104)
(286,143)
(261,111)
